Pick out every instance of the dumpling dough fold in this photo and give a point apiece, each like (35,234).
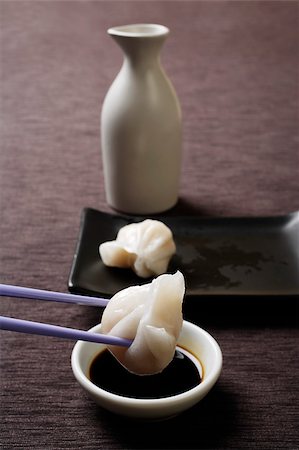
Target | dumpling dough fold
(146,247)
(150,315)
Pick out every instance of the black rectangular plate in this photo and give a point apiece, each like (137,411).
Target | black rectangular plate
(247,256)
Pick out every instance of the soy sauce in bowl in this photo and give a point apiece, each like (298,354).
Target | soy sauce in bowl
(201,348)
(182,374)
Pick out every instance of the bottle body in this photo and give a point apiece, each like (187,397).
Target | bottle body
(141,133)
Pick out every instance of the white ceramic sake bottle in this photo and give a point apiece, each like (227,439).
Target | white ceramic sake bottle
(141,126)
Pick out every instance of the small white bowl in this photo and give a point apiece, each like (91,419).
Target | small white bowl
(192,338)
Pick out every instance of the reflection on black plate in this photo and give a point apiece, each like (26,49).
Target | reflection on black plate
(218,256)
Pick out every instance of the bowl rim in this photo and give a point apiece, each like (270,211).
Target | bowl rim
(207,382)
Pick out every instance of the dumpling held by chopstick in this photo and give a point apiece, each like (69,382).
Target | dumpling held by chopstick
(150,315)
(146,247)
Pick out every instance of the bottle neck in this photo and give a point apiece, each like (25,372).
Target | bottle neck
(141,43)
(141,52)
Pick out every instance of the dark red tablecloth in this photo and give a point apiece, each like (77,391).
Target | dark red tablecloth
(235,68)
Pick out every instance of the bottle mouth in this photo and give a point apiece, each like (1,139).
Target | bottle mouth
(139,30)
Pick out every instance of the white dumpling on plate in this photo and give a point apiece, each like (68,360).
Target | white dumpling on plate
(151,315)
(146,247)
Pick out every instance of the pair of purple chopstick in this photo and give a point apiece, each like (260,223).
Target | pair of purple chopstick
(26,326)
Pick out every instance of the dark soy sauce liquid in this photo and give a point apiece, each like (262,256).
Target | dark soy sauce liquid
(179,376)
